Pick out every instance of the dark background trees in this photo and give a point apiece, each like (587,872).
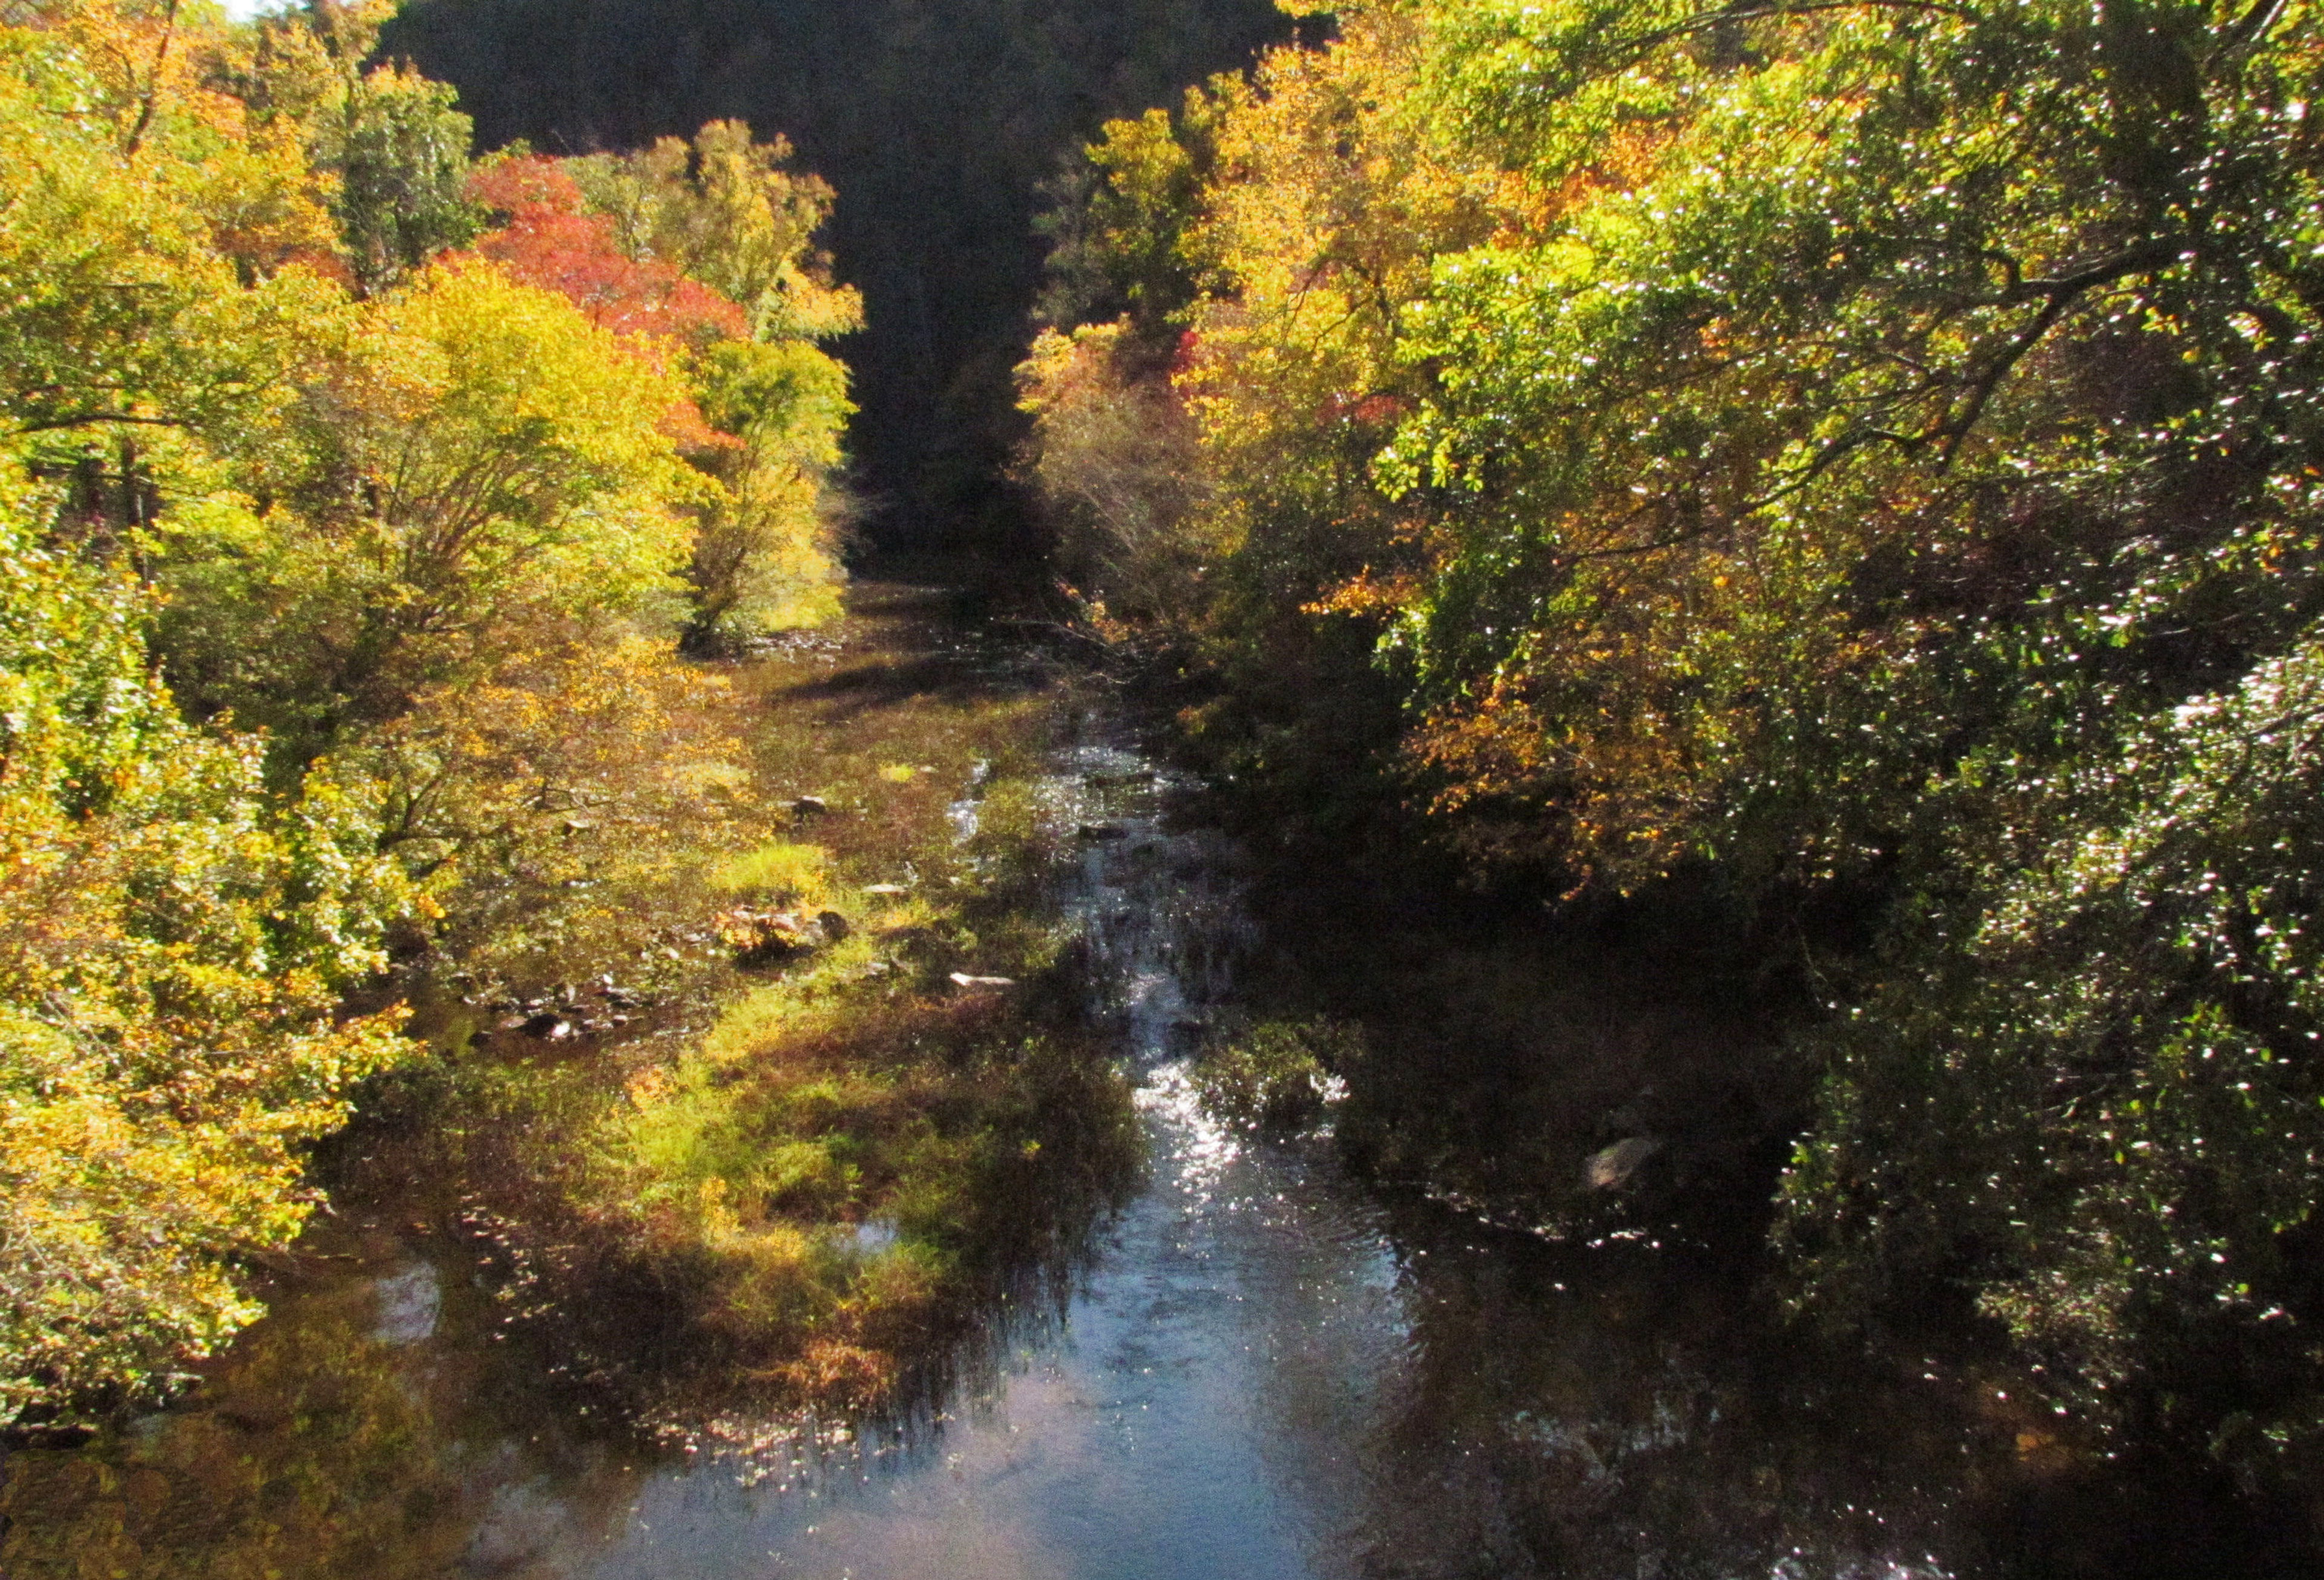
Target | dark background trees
(937,122)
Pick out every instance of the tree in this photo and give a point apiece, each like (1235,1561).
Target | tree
(726,211)
(173,945)
(1263,267)
(703,257)
(387,150)
(125,243)
(481,468)
(400,152)
(1115,461)
(764,556)
(1126,214)
(550,239)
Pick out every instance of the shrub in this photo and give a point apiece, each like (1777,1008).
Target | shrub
(1278,1076)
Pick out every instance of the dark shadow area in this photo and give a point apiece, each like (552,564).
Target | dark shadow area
(1625,1410)
(936,122)
(950,676)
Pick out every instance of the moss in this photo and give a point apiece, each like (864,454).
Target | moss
(1278,1076)
(847,1157)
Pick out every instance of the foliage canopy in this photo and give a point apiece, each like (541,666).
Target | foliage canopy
(342,565)
(1864,448)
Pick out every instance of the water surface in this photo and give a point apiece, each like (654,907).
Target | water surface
(1268,1369)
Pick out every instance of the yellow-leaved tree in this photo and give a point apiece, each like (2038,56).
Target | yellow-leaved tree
(338,571)
(173,945)
(477,470)
(727,212)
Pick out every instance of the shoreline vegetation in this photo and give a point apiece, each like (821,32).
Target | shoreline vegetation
(1822,498)
(795,1189)
(357,499)
(859,1102)
(1816,505)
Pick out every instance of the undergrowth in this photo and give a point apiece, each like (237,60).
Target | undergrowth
(835,1157)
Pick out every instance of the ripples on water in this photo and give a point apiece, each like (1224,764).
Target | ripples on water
(1269,1371)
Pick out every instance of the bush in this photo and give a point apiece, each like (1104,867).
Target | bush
(174,940)
(1278,1076)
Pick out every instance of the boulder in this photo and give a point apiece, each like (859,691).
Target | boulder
(758,936)
(1611,1168)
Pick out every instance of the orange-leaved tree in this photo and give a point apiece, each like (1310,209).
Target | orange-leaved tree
(701,258)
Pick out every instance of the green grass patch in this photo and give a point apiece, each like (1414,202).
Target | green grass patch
(1278,1075)
(779,872)
(824,1160)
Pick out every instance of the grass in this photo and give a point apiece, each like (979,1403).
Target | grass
(780,872)
(810,1176)
(1278,1075)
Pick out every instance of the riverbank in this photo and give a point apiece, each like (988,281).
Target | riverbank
(1209,1352)
(764,1114)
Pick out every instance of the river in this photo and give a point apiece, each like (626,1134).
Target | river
(1267,1368)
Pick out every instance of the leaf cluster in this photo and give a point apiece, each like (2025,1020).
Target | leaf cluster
(1863,448)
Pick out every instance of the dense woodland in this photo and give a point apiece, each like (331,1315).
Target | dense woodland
(1854,459)
(1822,453)
(937,121)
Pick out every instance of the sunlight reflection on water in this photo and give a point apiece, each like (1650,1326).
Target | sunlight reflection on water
(1200,1148)
(1272,1371)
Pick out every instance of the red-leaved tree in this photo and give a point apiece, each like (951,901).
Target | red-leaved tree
(548,239)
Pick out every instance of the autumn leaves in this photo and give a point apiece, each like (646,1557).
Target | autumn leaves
(353,500)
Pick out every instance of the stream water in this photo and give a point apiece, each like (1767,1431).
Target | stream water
(1269,1370)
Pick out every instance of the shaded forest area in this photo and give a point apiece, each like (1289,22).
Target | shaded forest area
(937,124)
(1817,465)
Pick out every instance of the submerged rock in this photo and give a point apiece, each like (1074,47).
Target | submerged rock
(758,936)
(1612,1167)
